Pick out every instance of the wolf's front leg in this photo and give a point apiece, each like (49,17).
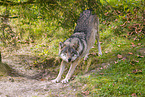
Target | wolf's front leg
(62,67)
(70,72)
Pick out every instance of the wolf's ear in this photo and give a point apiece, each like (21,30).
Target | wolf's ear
(61,45)
(76,46)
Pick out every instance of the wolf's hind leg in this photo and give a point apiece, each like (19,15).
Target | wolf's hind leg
(62,67)
(99,49)
(86,56)
(70,72)
(98,43)
(97,36)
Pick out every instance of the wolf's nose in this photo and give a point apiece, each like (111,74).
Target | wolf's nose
(69,59)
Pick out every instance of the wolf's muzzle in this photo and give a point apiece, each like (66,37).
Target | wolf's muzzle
(69,59)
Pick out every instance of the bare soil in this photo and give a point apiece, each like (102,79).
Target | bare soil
(26,81)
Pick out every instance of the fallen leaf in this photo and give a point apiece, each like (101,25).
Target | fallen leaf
(42,79)
(128,21)
(139,43)
(123,59)
(134,38)
(101,68)
(122,24)
(119,56)
(118,45)
(113,84)
(116,62)
(106,13)
(115,27)
(134,95)
(101,73)
(140,71)
(132,63)
(116,19)
(133,45)
(134,71)
(137,61)
(139,56)
(104,22)
(137,71)
(130,53)
(86,92)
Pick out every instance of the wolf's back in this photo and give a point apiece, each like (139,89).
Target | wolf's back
(83,21)
(86,23)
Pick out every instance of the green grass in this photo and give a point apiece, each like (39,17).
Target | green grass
(120,76)
(124,78)
(121,79)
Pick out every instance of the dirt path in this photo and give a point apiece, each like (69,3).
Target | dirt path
(23,87)
(31,82)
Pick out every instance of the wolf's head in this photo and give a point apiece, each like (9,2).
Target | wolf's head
(68,52)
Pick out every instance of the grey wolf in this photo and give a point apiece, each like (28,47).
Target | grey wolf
(79,43)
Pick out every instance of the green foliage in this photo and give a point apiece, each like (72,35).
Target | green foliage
(31,21)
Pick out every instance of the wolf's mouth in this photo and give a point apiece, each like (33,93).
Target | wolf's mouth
(69,59)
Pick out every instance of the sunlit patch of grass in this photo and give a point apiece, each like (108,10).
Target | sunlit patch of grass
(124,76)
(121,79)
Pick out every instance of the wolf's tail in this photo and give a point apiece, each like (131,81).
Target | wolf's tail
(83,21)
(85,14)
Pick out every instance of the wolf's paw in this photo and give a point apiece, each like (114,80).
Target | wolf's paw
(65,81)
(86,57)
(55,81)
(100,54)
